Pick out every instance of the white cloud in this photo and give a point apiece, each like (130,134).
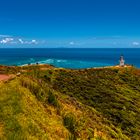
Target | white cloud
(34,41)
(6,40)
(17,41)
(31,42)
(27,42)
(136,43)
(71,43)
(21,41)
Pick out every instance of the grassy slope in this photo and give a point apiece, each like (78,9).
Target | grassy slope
(115,93)
(25,113)
(22,116)
(95,104)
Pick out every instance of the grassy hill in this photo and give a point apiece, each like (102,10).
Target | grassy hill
(47,103)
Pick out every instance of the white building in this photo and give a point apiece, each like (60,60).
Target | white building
(122,61)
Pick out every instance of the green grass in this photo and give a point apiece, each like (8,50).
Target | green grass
(53,100)
(52,103)
(70,122)
(23,116)
(113,92)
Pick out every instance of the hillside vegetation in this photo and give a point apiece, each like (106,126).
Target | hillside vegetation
(47,103)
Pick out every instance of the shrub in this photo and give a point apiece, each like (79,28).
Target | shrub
(53,100)
(70,122)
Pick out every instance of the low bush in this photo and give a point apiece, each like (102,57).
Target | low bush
(53,100)
(70,122)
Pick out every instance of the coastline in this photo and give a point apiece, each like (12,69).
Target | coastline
(69,58)
(48,66)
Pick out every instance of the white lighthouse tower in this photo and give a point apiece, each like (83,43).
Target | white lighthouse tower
(122,61)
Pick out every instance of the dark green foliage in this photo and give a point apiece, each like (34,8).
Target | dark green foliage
(70,122)
(113,92)
(53,100)
(47,78)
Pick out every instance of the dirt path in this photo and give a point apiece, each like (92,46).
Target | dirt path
(4,77)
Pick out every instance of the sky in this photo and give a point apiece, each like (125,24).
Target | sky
(70,23)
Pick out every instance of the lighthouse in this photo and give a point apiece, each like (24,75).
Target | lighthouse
(122,61)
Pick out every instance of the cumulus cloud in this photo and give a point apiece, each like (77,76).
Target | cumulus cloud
(6,40)
(136,43)
(17,41)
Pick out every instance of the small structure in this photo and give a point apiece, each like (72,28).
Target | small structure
(122,61)
(18,74)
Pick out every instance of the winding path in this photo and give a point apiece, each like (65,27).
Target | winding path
(4,77)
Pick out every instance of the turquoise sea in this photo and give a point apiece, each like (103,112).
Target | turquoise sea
(74,58)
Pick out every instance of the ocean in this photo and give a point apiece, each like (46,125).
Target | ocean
(74,58)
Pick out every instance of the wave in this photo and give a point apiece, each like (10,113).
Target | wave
(74,64)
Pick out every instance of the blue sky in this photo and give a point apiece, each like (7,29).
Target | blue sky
(70,23)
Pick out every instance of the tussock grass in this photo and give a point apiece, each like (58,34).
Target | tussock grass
(113,92)
(53,100)
(70,122)
(96,104)
(23,116)
(34,87)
